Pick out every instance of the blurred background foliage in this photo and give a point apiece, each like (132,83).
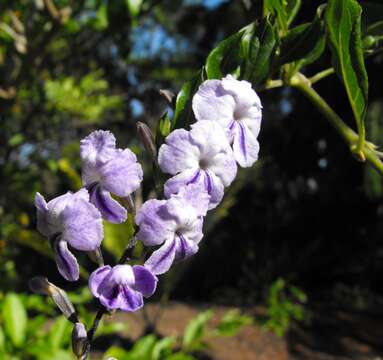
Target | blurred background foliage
(307,213)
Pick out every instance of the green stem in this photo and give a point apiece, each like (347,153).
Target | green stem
(321,75)
(300,82)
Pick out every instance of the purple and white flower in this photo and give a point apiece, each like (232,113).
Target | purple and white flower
(106,170)
(237,108)
(69,219)
(123,286)
(175,224)
(200,156)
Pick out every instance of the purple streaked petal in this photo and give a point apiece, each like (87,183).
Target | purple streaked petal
(214,187)
(245,146)
(162,259)
(224,166)
(110,209)
(178,153)
(145,281)
(177,182)
(96,278)
(121,175)
(67,264)
(185,248)
(82,224)
(156,226)
(130,300)
(98,147)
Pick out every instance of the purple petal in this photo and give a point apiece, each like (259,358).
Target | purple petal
(179,153)
(146,282)
(185,248)
(211,139)
(121,175)
(130,300)
(161,260)
(177,182)
(224,167)
(193,196)
(66,262)
(245,97)
(42,210)
(212,103)
(214,187)
(82,225)
(98,147)
(208,182)
(110,209)
(245,146)
(96,278)
(155,224)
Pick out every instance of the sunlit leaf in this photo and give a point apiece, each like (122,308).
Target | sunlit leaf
(117,236)
(163,347)
(342,19)
(195,330)
(59,332)
(15,319)
(231,323)
(224,58)
(134,7)
(183,114)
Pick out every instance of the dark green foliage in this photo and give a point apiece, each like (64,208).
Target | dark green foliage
(343,26)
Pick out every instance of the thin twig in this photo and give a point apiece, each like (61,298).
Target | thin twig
(321,75)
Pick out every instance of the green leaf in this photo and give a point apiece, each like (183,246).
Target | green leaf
(163,129)
(342,20)
(292,9)
(2,339)
(183,114)
(134,7)
(180,356)
(116,352)
(304,43)
(15,319)
(163,348)
(231,323)
(117,236)
(264,58)
(224,58)
(142,349)
(279,9)
(59,332)
(16,140)
(195,330)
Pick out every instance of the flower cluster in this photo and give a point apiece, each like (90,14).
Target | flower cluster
(202,161)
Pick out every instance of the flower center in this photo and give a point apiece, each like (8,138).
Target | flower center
(238,114)
(203,164)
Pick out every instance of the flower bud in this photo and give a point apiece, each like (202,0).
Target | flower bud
(146,137)
(79,339)
(41,285)
(96,256)
(167,94)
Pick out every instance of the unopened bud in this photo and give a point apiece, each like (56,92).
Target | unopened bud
(79,339)
(42,286)
(129,204)
(146,138)
(167,94)
(96,256)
